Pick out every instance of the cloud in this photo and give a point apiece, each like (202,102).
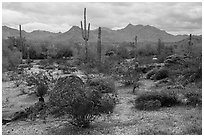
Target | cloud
(172,17)
(14,18)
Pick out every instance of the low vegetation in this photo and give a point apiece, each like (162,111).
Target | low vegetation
(156,99)
(82,103)
(153,100)
(103,84)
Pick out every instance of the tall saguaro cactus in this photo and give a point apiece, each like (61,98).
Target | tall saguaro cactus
(21,42)
(190,45)
(21,45)
(159,47)
(135,48)
(99,45)
(85,33)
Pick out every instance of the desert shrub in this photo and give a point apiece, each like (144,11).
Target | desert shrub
(152,131)
(185,69)
(129,72)
(193,129)
(150,73)
(193,96)
(11,56)
(131,78)
(122,52)
(5,64)
(103,84)
(193,99)
(81,103)
(17,78)
(64,52)
(148,105)
(161,74)
(150,100)
(107,103)
(41,89)
(89,65)
(162,57)
(192,71)
(47,62)
(107,66)
(42,81)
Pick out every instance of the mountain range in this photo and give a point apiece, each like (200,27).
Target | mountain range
(127,34)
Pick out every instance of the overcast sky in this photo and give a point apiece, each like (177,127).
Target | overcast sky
(175,18)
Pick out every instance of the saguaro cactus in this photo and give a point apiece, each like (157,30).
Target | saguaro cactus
(21,42)
(159,47)
(85,33)
(135,48)
(99,45)
(21,45)
(20,31)
(190,45)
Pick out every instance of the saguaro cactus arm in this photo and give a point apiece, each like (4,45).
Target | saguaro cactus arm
(88,32)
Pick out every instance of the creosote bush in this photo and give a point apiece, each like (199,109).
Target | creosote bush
(193,97)
(103,84)
(161,74)
(82,103)
(150,73)
(156,99)
(157,74)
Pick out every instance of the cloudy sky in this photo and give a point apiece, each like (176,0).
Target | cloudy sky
(175,18)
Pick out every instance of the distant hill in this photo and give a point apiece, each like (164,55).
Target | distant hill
(127,34)
(181,46)
(9,32)
(41,35)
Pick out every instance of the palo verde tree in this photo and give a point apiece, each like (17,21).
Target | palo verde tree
(85,33)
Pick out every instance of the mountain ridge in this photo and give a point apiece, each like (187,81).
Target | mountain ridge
(126,34)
